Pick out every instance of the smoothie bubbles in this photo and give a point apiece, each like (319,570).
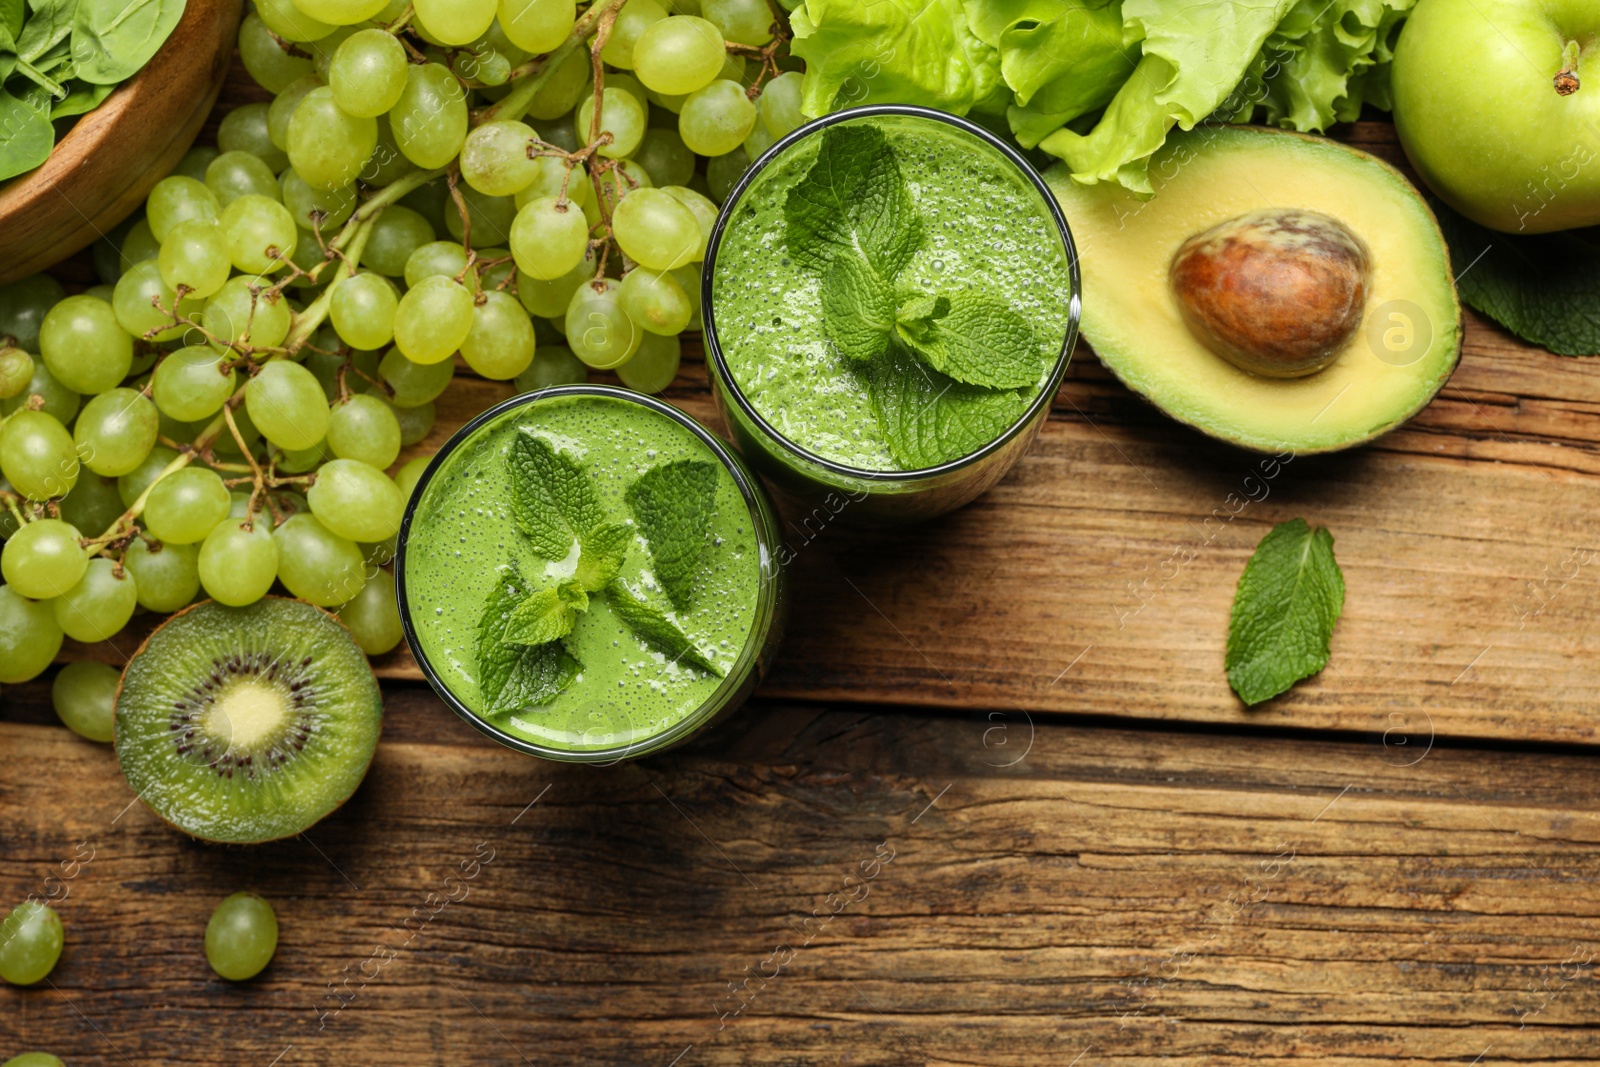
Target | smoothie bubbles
(891,295)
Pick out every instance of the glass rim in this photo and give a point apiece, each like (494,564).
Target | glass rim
(1047,391)
(766,597)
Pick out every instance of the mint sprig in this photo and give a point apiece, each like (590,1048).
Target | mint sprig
(546,615)
(652,626)
(552,501)
(512,677)
(673,504)
(853,198)
(858,307)
(928,418)
(978,340)
(1288,600)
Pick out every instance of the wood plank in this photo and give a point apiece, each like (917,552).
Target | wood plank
(1054,892)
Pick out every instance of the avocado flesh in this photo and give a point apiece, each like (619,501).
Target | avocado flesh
(1213,174)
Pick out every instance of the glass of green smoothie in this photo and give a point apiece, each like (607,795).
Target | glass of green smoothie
(890,298)
(588,574)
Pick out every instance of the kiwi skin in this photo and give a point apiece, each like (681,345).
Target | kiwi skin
(345,723)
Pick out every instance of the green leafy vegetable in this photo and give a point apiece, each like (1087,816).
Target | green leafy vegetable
(50,26)
(978,340)
(1289,598)
(673,504)
(512,677)
(603,552)
(928,418)
(11,18)
(853,198)
(553,503)
(546,615)
(112,39)
(654,628)
(1544,288)
(82,98)
(26,135)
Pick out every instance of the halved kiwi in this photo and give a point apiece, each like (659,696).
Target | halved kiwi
(247,724)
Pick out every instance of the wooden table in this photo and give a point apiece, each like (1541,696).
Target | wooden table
(996,805)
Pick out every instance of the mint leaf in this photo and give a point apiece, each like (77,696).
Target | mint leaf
(673,503)
(552,502)
(853,197)
(928,419)
(1289,597)
(1544,288)
(512,677)
(546,615)
(980,341)
(918,308)
(652,626)
(603,550)
(857,307)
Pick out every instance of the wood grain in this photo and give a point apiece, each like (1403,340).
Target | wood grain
(1054,892)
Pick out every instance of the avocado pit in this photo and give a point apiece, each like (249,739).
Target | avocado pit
(1277,292)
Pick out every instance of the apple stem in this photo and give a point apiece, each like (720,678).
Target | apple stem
(1566,80)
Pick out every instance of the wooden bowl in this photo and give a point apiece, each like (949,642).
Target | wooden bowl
(107,163)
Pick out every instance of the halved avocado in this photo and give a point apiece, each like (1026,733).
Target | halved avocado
(1396,346)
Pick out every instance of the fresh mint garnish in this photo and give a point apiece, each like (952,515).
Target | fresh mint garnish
(546,615)
(673,504)
(552,502)
(853,198)
(512,677)
(857,307)
(602,554)
(652,626)
(1289,598)
(928,418)
(978,340)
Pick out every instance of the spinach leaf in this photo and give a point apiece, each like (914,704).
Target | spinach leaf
(112,39)
(82,97)
(11,19)
(26,135)
(50,25)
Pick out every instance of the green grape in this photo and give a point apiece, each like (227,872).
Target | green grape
(716,120)
(116,431)
(704,211)
(93,504)
(411,473)
(316,209)
(134,302)
(550,299)
(140,244)
(233,174)
(758,141)
(84,346)
(341,12)
(43,559)
(368,72)
(549,238)
(364,428)
(281,111)
(184,506)
(550,179)
(741,21)
(245,129)
(84,695)
(23,305)
(166,576)
(362,310)
(554,365)
(190,384)
(242,934)
(455,22)
(30,943)
(178,199)
(500,344)
(99,292)
(316,564)
(665,157)
(107,252)
(633,19)
(33,1059)
(16,371)
(100,605)
(415,423)
(246,311)
(482,65)
(678,55)
(327,145)
(356,500)
(656,230)
(494,159)
(195,256)
(491,217)
(653,367)
(655,301)
(29,636)
(621,115)
(444,259)
(430,119)
(304,460)
(37,455)
(433,318)
(238,561)
(177,430)
(387,163)
(57,400)
(780,104)
(414,383)
(285,19)
(259,233)
(396,233)
(133,484)
(599,332)
(664,115)
(724,172)
(269,63)
(287,405)
(537,26)
(373,616)
(688,279)
(194,162)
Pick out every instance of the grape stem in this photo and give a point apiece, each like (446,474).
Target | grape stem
(515,103)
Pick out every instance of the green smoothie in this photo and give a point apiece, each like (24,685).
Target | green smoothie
(876,381)
(653,535)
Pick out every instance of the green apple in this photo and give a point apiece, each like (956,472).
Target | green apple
(1498,107)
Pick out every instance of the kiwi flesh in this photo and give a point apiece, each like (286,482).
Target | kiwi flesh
(247,724)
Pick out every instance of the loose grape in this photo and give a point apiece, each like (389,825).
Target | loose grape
(246,311)
(373,616)
(724,172)
(653,367)
(16,371)
(145,305)
(23,305)
(781,102)
(368,72)
(678,55)
(43,559)
(621,115)
(362,310)
(655,229)
(549,238)
(184,506)
(598,330)
(30,943)
(287,405)
(430,119)
(632,20)
(285,19)
(29,636)
(665,157)
(116,431)
(268,62)
(167,576)
(316,564)
(178,199)
(93,505)
(84,346)
(100,605)
(356,500)
(500,344)
(316,209)
(191,384)
(741,21)
(433,318)
(238,561)
(716,120)
(84,695)
(195,256)
(341,12)
(133,484)
(37,456)
(655,301)
(241,935)
(364,428)
(554,365)
(494,159)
